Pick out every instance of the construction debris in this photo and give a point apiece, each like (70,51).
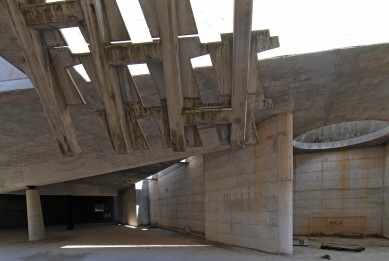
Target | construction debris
(327,256)
(341,247)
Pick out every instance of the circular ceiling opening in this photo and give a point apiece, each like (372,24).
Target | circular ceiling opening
(342,135)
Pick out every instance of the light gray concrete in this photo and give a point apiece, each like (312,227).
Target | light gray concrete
(143,203)
(127,203)
(248,192)
(177,197)
(36,229)
(339,183)
(385,210)
(362,133)
(140,245)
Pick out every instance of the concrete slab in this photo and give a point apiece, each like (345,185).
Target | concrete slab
(138,244)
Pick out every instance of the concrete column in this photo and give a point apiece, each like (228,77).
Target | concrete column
(128,199)
(36,228)
(385,210)
(285,183)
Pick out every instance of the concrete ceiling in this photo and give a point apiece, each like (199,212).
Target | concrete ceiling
(319,89)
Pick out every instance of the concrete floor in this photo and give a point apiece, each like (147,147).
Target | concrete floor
(14,246)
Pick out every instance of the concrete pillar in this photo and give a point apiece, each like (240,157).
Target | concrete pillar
(385,210)
(285,183)
(36,228)
(128,200)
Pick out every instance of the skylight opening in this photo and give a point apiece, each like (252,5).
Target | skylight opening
(201,61)
(138,69)
(75,40)
(81,71)
(52,1)
(135,21)
(212,18)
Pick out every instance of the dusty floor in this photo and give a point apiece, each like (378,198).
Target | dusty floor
(136,244)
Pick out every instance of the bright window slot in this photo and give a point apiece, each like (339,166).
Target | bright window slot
(139,185)
(201,61)
(134,20)
(212,18)
(81,71)
(52,1)
(138,69)
(75,40)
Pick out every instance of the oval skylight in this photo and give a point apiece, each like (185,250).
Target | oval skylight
(342,135)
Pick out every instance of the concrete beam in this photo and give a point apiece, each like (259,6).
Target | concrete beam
(73,189)
(171,66)
(111,96)
(58,15)
(243,11)
(41,75)
(88,165)
(125,53)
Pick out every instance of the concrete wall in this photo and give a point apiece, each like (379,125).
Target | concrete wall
(248,191)
(126,206)
(11,78)
(177,197)
(339,183)
(385,212)
(143,203)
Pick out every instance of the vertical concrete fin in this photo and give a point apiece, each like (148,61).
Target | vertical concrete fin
(285,183)
(168,30)
(243,11)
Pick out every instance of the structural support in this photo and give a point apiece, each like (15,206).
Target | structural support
(171,66)
(248,192)
(36,228)
(95,22)
(41,75)
(127,199)
(240,69)
(285,182)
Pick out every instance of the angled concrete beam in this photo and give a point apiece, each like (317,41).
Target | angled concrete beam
(58,14)
(44,80)
(98,37)
(124,53)
(240,69)
(168,31)
(116,27)
(70,91)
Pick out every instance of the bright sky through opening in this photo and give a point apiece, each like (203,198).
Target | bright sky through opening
(303,26)
(134,20)
(138,69)
(75,40)
(81,71)
(201,61)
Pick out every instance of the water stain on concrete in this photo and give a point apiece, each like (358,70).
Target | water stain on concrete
(49,256)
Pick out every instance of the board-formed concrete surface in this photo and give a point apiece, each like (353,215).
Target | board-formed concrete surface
(340,183)
(15,247)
